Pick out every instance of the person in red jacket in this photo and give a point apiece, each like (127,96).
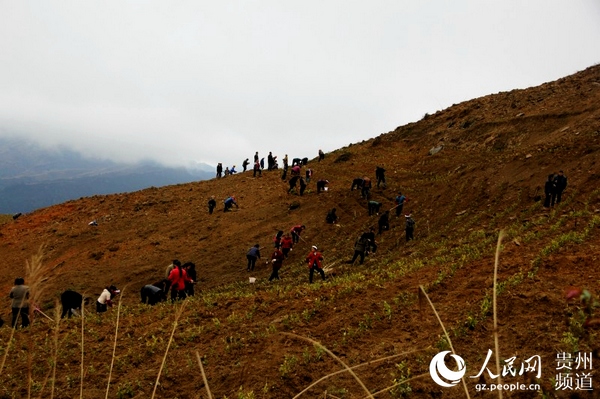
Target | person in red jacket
(178,278)
(286,244)
(315,262)
(296,231)
(277,260)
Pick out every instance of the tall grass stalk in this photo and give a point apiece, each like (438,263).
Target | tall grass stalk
(422,290)
(55,352)
(496,343)
(203,375)
(336,358)
(112,361)
(353,367)
(81,372)
(162,365)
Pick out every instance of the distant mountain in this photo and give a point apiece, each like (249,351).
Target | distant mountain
(33,177)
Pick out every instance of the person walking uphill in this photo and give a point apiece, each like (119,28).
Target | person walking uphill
(400,199)
(360,247)
(105,299)
(20,304)
(252,255)
(380,175)
(315,262)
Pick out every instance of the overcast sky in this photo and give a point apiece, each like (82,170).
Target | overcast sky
(215,81)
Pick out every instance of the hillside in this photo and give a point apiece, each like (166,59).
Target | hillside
(497,153)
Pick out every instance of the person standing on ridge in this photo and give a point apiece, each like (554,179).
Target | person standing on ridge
(321,155)
(252,255)
(315,262)
(219,170)
(256,157)
(270,161)
(257,169)
(245,164)
(20,304)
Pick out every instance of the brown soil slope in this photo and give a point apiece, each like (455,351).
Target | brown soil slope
(497,152)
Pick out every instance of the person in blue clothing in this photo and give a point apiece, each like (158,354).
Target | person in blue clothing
(252,255)
(400,199)
(229,203)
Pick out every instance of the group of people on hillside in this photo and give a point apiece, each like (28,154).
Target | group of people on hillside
(70,300)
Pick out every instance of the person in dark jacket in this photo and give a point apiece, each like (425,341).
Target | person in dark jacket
(360,247)
(245,164)
(277,239)
(252,255)
(321,155)
(219,170)
(71,300)
(277,261)
(380,176)
(302,186)
(549,191)
(374,207)
(410,227)
(384,222)
(322,185)
(293,181)
(190,269)
(366,187)
(152,294)
(371,245)
(331,216)
(357,183)
(270,161)
(212,204)
(560,183)
(20,303)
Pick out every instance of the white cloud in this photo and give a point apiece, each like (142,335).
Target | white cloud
(214,81)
